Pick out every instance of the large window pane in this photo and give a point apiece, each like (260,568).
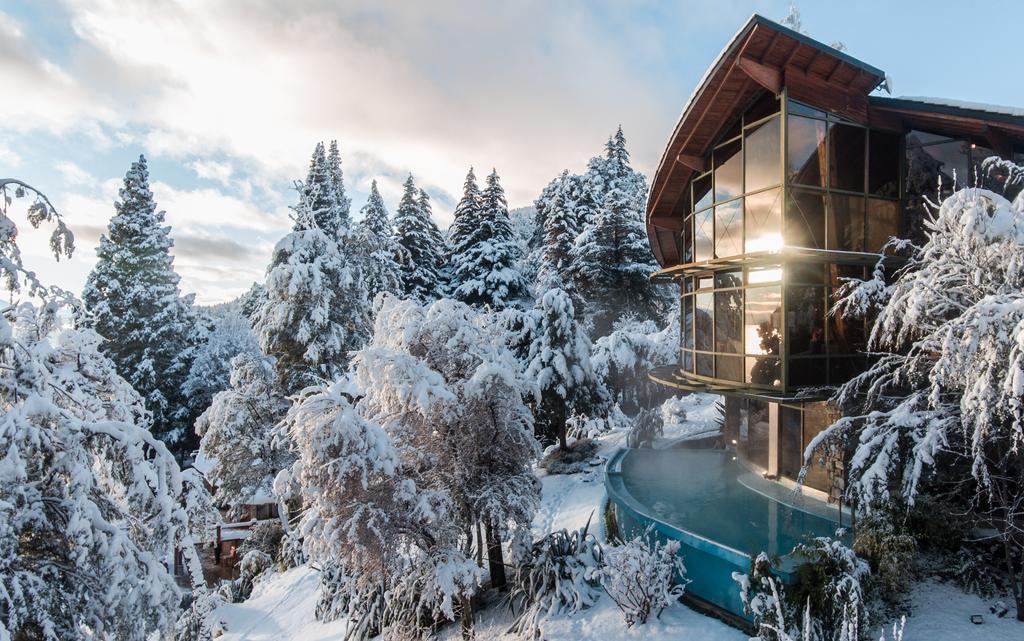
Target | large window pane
(728,279)
(846,157)
(845,223)
(762,325)
(842,369)
(805,219)
(764,221)
(883,222)
(686,240)
(884,164)
(766,105)
(703,235)
(729,229)
(729,368)
(794,107)
(762,155)
(705,365)
(687,323)
(729,322)
(846,335)
(805,320)
(805,164)
(704,321)
(702,192)
(687,362)
(728,171)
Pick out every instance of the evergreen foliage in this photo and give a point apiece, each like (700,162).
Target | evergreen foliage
(133,301)
(560,363)
(316,310)
(418,235)
(485,261)
(341,202)
(384,256)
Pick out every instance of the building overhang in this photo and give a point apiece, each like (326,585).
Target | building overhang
(762,55)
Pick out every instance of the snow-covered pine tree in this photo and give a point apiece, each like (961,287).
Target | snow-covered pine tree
(417,233)
(465,221)
(485,269)
(132,300)
(612,260)
(560,364)
(558,235)
(316,310)
(383,256)
(229,334)
(237,432)
(342,203)
(91,503)
(423,200)
(318,193)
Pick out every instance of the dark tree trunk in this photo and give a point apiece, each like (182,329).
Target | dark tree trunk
(479,547)
(562,443)
(495,558)
(466,618)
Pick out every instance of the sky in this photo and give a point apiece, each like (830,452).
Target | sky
(227,99)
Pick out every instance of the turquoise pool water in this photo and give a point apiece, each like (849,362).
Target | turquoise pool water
(722,513)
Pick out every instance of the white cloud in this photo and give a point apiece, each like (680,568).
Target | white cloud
(8,156)
(73,174)
(212,170)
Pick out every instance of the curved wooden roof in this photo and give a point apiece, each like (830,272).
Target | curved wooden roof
(763,55)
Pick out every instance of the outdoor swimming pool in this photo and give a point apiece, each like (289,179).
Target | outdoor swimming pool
(722,513)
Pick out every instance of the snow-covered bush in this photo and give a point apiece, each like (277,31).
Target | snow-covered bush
(433,589)
(560,575)
(572,460)
(648,425)
(253,564)
(265,536)
(890,551)
(832,579)
(643,578)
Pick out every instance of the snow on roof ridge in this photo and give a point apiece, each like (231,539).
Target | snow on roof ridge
(966,104)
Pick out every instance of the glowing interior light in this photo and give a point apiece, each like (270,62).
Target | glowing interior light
(734,441)
(766,243)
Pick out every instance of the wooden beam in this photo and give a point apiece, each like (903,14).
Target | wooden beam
(792,53)
(771,44)
(831,74)
(768,77)
(814,59)
(695,163)
(998,141)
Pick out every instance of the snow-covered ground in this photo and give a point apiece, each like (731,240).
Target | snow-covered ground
(282,608)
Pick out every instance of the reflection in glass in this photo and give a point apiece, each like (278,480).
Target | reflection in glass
(794,107)
(846,223)
(816,418)
(790,442)
(806,151)
(805,219)
(729,368)
(805,273)
(765,106)
(764,221)
(687,322)
(756,446)
(729,322)
(687,363)
(728,171)
(705,365)
(729,229)
(846,335)
(764,370)
(702,192)
(762,324)
(762,155)
(724,280)
(805,320)
(846,157)
(884,164)
(883,222)
(703,235)
(703,321)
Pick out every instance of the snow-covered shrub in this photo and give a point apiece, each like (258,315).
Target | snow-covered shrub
(291,553)
(974,572)
(648,426)
(252,566)
(831,581)
(764,599)
(433,589)
(572,460)
(265,536)
(890,551)
(561,575)
(643,578)
(198,620)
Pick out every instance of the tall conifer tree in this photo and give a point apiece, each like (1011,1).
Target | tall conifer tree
(383,255)
(484,262)
(133,301)
(418,235)
(342,202)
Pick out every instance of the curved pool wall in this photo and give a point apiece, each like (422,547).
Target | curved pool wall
(720,516)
